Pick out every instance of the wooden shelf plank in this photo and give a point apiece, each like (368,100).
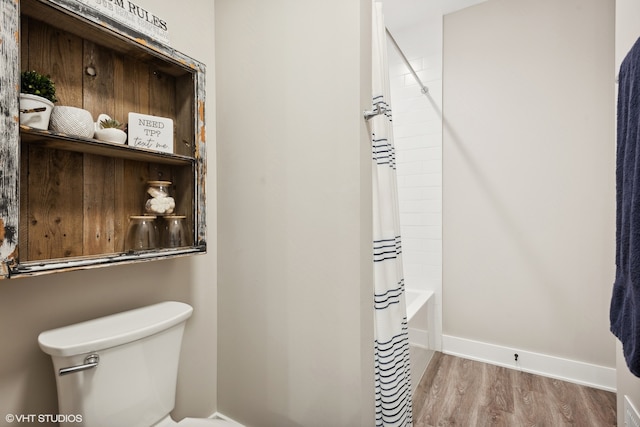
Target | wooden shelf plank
(36,268)
(62,141)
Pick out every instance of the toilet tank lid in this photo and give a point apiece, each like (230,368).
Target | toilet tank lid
(113,330)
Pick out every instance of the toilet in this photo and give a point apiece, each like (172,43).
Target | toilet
(121,370)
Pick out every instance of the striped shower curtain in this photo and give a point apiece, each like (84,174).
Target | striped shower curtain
(392,378)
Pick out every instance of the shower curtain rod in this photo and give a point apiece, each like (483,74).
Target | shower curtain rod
(423,88)
(380,108)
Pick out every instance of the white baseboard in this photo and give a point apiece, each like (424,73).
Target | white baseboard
(573,371)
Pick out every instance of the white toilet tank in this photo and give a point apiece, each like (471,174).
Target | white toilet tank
(134,381)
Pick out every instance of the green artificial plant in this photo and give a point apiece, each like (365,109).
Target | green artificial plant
(35,83)
(110,123)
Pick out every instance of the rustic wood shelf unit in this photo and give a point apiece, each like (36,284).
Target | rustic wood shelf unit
(65,200)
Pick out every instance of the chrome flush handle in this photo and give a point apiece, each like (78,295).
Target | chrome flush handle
(91,361)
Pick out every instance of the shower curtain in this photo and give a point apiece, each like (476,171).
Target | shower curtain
(392,378)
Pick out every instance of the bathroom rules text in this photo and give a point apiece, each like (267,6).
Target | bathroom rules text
(133,16)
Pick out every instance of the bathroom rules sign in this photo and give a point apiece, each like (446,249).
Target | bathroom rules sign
(150,132)
(131,15)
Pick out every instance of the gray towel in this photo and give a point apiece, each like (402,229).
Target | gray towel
(625,300)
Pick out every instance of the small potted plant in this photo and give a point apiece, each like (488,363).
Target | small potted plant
(109,130)
(37,95)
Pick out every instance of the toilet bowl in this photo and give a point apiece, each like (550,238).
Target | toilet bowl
(193,422)
(121,370)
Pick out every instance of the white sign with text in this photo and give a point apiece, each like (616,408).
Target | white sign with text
(133,16)
(151,132)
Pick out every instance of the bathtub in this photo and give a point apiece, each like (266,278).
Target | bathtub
(421,332)
(415,301)
(419,316)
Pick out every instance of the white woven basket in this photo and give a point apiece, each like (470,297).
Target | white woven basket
(72,121)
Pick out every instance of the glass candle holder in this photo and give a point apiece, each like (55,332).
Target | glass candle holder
(174,232)
(142,233)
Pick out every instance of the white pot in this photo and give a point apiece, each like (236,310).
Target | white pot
(30,114)
(117,136)
(72,121)
(111,135)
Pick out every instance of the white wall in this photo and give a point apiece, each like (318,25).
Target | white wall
(31,305)
(294,169)
(529,191)
(627,32)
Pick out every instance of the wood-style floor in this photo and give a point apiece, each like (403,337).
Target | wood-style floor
(461,392)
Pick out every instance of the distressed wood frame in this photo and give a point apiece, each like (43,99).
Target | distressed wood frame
(10,151)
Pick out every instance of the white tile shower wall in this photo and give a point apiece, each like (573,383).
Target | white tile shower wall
(417,126)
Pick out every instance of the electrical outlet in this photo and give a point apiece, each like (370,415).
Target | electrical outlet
(631,416)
